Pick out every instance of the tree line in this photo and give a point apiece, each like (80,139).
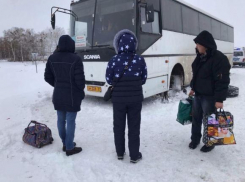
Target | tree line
(18,44)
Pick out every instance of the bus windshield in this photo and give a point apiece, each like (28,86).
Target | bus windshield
(111,16)
(81,30)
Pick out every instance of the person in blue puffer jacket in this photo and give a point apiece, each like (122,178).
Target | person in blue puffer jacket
(127,95)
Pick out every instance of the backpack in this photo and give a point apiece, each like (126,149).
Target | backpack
(37,135)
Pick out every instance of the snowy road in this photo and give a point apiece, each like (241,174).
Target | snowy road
(24,96)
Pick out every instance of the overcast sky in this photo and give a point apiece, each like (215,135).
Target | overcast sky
(35,14)
(230,11)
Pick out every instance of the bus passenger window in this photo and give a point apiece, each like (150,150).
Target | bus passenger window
(149,27)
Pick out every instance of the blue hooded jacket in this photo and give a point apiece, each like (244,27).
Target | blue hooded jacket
(129,88)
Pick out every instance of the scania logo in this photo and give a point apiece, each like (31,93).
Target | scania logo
(91,56)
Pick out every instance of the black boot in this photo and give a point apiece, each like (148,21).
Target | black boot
(193,145)
(64,147)
(75,150)
(137,159)
(121,157)
(207,149)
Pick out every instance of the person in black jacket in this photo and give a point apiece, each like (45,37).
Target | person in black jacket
(209,83)
(127,95)
(64,71)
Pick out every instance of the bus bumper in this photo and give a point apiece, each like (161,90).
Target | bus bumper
(95,90)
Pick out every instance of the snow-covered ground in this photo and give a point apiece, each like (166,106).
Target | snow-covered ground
(25,96)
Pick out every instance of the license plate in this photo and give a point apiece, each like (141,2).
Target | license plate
(236,59)
(94,89)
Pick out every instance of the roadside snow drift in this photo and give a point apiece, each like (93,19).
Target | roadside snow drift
(25,96)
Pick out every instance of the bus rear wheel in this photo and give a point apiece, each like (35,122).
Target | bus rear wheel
(177,78)
(176,83)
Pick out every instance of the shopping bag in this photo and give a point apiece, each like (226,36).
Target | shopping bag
(218,129)
(184,115)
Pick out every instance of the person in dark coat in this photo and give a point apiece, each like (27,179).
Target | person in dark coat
(64,71)
(127,95)
(209,83)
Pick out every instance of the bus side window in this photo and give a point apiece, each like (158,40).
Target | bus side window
(149,27)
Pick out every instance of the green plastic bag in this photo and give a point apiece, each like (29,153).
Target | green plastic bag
(184,115)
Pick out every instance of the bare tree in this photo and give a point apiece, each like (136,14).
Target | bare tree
(10,36)
(18,43)
(15,38)
(19,34)
(5,48)
(2,50)
(41,40)
(52,38)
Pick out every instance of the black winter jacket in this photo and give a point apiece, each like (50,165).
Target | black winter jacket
(211,72)
(64,71)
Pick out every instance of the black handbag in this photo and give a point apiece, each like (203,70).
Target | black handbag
(109,91)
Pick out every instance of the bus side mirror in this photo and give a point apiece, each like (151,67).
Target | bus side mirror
(53,21)
(149,13)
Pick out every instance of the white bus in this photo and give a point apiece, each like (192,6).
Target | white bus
(165,34)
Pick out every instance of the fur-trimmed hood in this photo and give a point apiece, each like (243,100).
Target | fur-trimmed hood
(125,41)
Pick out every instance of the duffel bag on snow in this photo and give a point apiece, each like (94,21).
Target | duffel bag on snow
(184,115)
(218,129)
(37,135)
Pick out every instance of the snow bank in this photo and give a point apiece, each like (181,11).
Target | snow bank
(164,143)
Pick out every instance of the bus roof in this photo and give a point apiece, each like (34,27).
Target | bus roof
(201,11)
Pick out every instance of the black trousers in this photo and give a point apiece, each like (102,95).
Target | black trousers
(202,105)
(131,111)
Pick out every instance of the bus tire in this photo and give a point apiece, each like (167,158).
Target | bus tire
(177,78)
(232,91)
(176,82)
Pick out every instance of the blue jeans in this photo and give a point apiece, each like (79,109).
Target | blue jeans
(66,133)
(202,105)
